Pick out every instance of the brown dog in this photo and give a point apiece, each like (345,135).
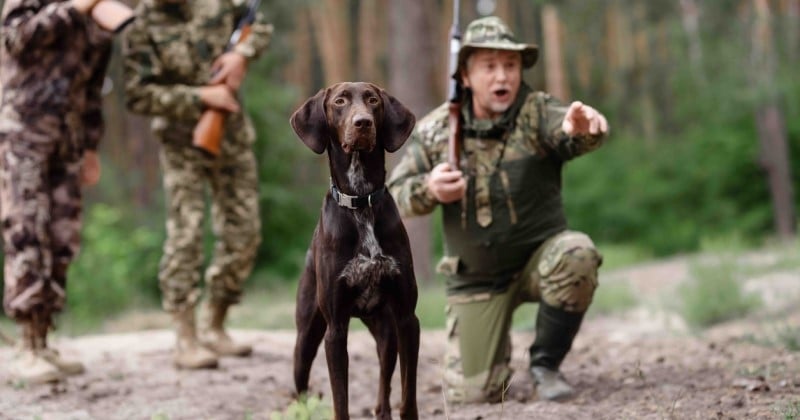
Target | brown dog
(359,262)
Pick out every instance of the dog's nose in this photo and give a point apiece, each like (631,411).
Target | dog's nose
(362,121)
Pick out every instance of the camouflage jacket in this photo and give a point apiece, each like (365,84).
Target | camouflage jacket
(53,61)
(169,52)
(513,200)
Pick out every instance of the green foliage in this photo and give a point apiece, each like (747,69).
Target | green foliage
(306,408)
(714,295)
(292,178)
(116,268)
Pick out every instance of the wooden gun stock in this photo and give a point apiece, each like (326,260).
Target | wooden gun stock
(207,135)
(454,140)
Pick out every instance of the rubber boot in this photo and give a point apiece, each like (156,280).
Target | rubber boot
(29,365)
(189,352)
(66,366)
(214,336)
(555,330)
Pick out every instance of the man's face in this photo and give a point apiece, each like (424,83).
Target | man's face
(494,77)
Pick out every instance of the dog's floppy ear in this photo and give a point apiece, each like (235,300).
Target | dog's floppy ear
(310,123)
(397,123)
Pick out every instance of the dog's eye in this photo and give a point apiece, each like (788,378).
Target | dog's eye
(340,101)
(372,100)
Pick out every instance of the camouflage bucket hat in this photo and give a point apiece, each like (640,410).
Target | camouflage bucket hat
(492,33)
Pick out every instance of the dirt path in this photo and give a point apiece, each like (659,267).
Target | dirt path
(637,365)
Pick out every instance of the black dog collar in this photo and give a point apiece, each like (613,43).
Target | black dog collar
(353,202)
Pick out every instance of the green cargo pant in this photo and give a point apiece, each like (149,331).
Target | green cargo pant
(561,273)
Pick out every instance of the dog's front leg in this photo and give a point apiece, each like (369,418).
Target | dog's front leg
(336,354)
(408,343)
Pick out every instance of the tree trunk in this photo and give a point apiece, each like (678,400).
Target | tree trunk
(771,123)
(410,47)
(555,74)
(332,33)
(371,41)
(298,71)
(691,24)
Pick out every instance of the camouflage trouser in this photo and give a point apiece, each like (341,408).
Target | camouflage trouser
(233,181)
(40,207)
(561,273)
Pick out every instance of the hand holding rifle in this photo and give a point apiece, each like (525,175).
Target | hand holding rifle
(219,95)
(446,182)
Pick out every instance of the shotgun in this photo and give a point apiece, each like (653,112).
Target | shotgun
(207,134)
(454,93)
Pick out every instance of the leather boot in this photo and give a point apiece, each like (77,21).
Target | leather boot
(29,365)
(66,366)
(189,352)
(214,336)
(555,330)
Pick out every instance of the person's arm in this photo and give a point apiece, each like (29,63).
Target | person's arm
(26,24)
(145,90)
(570,131)
(408,182)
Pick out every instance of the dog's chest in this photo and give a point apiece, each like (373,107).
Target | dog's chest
(369,264)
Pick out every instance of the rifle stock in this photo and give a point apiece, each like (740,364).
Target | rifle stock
(207,134)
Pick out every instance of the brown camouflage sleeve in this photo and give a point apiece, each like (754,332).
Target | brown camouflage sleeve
(407,183)
(26,24)
(93,115)
(259,38)
(564,146)
(145,90)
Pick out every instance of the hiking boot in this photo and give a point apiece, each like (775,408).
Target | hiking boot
(214,336)
(66,366)
(32,367)
(189,352)
(29,365)
(550,384)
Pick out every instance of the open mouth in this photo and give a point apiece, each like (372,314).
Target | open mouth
(502,94)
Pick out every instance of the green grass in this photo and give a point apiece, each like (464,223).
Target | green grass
(790,411)
(617,256)
(714,294)
(611,298)
(306,408)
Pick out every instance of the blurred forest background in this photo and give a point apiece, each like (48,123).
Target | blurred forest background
(702,96)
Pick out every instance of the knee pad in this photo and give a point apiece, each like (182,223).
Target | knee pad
(568,271)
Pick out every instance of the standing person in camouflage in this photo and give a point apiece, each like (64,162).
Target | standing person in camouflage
(173,49)
(506,236)
(53,59)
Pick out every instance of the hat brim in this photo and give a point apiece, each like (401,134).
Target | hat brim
(530,52)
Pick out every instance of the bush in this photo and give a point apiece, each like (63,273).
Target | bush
(117,266)
(714,295)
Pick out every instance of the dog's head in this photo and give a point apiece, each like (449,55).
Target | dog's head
(356,116)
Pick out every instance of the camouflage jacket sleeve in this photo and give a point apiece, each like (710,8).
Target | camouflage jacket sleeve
(259,38)
(408,181)
(553,137)
(147,89)
(26,24)
(93,114)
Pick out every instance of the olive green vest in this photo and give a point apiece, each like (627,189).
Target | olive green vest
(513,201)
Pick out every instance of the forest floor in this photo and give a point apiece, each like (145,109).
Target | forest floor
(640,363)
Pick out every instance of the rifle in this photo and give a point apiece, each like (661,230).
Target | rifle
(207,134)
(454,93)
